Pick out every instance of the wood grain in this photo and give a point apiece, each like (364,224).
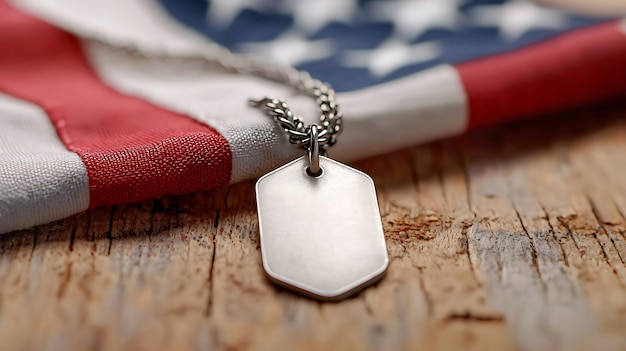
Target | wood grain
(505,239)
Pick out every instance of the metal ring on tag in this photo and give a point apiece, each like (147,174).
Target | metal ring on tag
(314,169)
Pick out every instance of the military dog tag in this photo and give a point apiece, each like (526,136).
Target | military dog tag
(320,235)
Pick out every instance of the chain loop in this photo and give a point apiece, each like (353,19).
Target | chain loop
(330,120)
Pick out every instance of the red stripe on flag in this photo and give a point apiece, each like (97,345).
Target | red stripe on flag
(132,150)
(580,67)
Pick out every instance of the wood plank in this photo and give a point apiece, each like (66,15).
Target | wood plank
(505,239)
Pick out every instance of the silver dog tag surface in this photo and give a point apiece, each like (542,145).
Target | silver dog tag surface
(321,236)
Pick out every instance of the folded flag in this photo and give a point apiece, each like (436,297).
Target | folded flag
(106,102)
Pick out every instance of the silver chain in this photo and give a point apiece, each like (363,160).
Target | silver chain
(330,119)
(299,134)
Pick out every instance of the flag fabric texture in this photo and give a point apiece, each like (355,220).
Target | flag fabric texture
(115,101)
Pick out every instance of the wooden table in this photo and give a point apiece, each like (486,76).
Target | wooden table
(508,238)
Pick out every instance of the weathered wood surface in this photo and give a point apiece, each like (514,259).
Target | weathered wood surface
(506,239)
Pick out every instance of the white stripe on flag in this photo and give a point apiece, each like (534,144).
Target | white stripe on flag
(423,107)
(40,180)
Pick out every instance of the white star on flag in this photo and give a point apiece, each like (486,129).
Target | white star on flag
(391,55)
(516,18)
(290,49)
(221,13)
(412,18)
(312,16)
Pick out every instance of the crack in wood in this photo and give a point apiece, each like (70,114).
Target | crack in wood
(568,231)
(217,219)
(210,282)
(464,232)
(532,248)
(32,250)
(558,240)
(466,227)
(603,228)
(471,317)
(72,237)
(110,230)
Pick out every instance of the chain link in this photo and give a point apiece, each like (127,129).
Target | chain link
(299,134)
(330,119)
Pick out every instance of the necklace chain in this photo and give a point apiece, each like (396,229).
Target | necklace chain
(331,118)
(298,133)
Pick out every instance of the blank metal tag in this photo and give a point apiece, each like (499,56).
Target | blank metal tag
(321,236)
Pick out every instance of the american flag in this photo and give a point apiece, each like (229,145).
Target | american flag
(106,102)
